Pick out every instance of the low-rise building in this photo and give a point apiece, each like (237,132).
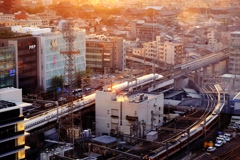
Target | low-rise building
(133,114)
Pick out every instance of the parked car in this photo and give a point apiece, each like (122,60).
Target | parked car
(219,143)
(225,137)
(211,149)
(228,135)
(221,138)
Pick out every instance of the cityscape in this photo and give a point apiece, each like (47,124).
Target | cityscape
(119,80)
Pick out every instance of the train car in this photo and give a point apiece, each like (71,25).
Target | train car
(51,115)
(182,141)
(139,81)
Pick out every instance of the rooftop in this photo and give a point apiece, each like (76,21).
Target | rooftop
(104,139)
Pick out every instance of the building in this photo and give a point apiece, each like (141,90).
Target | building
(234,57)
(12,134)
(145,31)
(171,53)
(52,62)
(105,54)
(26,60)
(8,67)
(47,16)
(133,114)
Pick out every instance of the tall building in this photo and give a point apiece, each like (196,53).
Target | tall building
(52,62)
(234,57)
(12,134)
(26,60)
(133,114)
(105,53)
(8,67)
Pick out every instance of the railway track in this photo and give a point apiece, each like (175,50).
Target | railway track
(232,154)
(174,129)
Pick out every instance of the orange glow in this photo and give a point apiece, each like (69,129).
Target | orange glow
(21,154)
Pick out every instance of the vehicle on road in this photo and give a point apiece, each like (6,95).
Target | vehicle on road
(211,149)
(218,143)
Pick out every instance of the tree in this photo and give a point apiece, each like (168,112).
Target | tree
(57,82)
(83,76)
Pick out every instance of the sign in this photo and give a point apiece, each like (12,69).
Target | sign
(54,44)
(32,46)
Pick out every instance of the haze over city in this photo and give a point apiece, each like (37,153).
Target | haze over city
(119,79)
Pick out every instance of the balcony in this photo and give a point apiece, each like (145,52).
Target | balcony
(131,118)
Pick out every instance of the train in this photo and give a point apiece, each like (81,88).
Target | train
(53,114)
(183,140)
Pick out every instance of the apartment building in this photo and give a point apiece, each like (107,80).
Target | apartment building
(145,31)
(105,54)
(234,57)
(161,51)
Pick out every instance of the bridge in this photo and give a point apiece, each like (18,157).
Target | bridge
(188,66)
(150,83)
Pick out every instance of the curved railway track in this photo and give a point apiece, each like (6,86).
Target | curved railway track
(173,129)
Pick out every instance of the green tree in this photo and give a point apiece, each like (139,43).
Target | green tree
(83,76)
(56,82)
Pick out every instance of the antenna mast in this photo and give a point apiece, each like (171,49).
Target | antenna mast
(70,124)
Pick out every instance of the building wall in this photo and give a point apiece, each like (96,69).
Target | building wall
(234,58)
(12,145)
(163,51)
(109,113)
(7,67)
(105,53)
(26,61)
(53,62)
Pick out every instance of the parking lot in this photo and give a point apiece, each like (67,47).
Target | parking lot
(228,150)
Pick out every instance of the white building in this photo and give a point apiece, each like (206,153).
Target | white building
(162,51)
(52,61)
(131,114)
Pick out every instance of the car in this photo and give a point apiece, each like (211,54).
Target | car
(219,143)
(225,137)
(221,138)
(228,135)
(211,149)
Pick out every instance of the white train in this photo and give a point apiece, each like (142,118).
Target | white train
(49,116)
(138,81)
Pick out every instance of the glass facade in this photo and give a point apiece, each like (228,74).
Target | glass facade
(7,67)
(27,64)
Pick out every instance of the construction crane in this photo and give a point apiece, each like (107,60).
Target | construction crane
(70,124)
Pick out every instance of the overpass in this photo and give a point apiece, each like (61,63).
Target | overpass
(188,66)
